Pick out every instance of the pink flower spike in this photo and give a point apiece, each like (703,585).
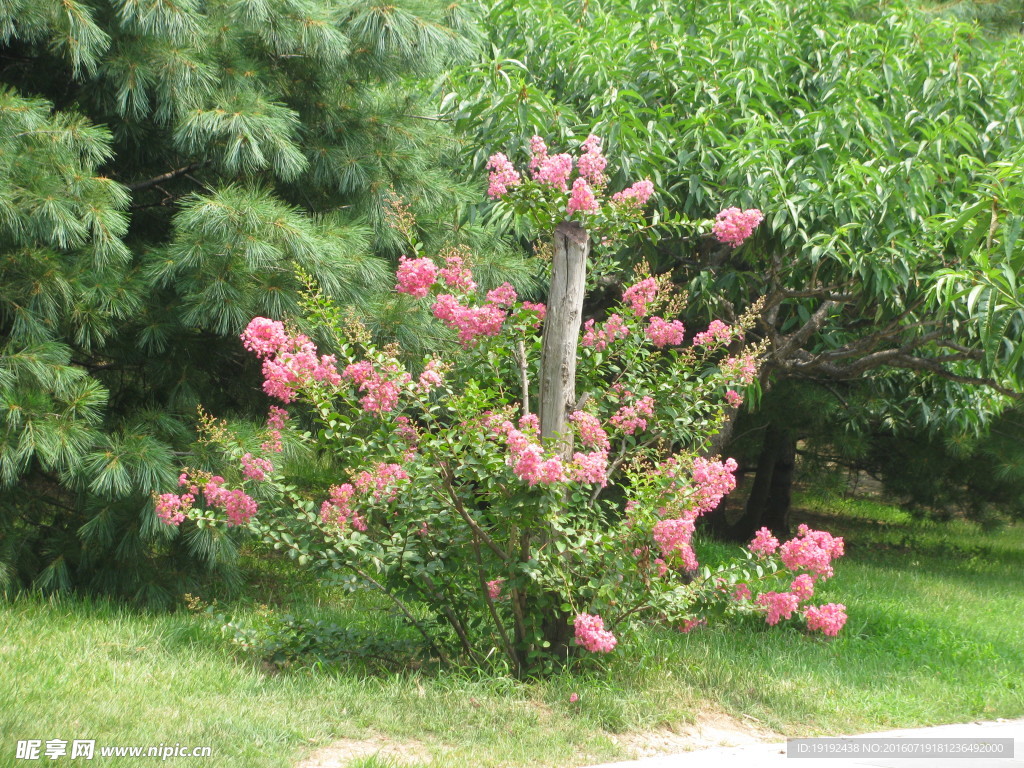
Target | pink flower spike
(582,198)
(415,276)
(829,618)
(503,175)
(591,634)
(733,226)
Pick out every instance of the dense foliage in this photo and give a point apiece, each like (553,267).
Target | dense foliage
(885,142)
(163,171)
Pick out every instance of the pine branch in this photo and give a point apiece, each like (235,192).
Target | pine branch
(139,186)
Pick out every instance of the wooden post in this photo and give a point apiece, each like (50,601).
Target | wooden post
(558,386)
(561,333)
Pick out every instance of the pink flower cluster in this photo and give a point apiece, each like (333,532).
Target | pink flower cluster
(592,163)
(803,587)
(382,482)
(470,322)
(337,510)
(590,467)
(431,377)
(494,588)
(733,398)
(600,337)
(415,276)
(741,592)
(829,618)
(582,198)
(764,543)
(237,504)
(526,457)
(712,481)
(639,295)
(780,605)
(591,433)
(812,551)
(256,469)
(502,176)
(171,508)
(742,369)
(630,418)
(381,387)
(275,422)
(717,333)
(456,275)
(288,362)
(663,333)
(591,634)
(674,537)
(636,195)
(733,226)
(691,624)
(553,170)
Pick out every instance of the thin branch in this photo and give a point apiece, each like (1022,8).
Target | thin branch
(139,186)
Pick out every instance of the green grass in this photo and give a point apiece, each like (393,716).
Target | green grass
(934,636)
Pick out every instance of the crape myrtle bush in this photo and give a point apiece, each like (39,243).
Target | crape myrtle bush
(451,503)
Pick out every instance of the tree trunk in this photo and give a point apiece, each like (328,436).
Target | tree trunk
(558,375)
(769,499)
(775,516)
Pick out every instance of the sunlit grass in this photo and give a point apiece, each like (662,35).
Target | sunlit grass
(934,635)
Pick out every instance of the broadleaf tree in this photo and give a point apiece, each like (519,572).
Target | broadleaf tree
(882,145)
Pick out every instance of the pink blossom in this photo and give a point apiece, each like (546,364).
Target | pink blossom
(803,587)
(381,482)
(431,377)
(265,337)
(470,322)
(691,624)
(630,418)
(171,508)
(590,467)
(539,152)
(530,422)
(741,593)
(591,634)
(295,364)
(638,296)
(494,588)
(712,480)
(599,338)
(237,504)
(456,274)
(582,198)
(733,226)
(742,369)
(254,468)
(504,295)
(635,196)
(276,417)
(381,387)
(663,333)
(717,333)
(673,537)
(337,510)
(554,170)
(811,551)
(591,433)
(592,163)
(733,398)
(573,698)
(502,175)
(763,543)
(829,618)
(780,605)
(415,276)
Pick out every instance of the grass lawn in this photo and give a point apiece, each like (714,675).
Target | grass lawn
(936,634)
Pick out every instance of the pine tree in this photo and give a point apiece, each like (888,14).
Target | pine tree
(164,168)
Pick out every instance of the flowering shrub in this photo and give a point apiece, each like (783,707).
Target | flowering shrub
(448,499)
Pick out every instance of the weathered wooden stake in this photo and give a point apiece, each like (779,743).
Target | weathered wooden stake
(561,332)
